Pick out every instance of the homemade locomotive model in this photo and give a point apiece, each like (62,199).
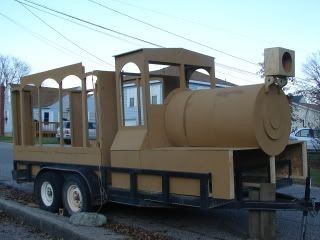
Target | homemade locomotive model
(200,148)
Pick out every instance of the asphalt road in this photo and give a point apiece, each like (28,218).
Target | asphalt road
(5,161)
(191,223)
(6,166)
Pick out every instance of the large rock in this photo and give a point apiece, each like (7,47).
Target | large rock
(88,219)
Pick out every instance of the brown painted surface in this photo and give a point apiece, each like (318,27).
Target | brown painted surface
(27,134)
(107,124)
(209,160)
(64,155)
(76,121)
(245,116)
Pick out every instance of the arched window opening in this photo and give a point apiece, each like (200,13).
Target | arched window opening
(48,115)
(71,114)
(163,79)
(92,112)
(131,95)
(199,79)
(156,91)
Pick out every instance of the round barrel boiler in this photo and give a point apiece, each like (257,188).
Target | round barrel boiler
(244,116)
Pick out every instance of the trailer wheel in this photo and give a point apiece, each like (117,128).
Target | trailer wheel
(76,195)
(48,191)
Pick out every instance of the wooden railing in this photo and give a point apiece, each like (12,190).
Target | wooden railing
(49,129)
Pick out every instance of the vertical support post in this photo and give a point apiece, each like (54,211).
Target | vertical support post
(272,164)
(268,218)
(84,114)
(120,100)
(289,168)
(262,224)
(305,213)
(133,185)
(165,188)
(61,114)
(204,192)
(304,160)
(212,73)
(22,122)
(15,115)
(2,100)
(144,84)
(138,100)
(239,189)
(254,216)
(97,107)
(182,74)
(39,116)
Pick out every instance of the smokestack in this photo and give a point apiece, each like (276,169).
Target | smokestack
(2,98)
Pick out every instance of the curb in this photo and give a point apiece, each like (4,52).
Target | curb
(55,225)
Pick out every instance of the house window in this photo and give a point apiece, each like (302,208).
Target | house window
(46,116)
(131,102)
(91,116)
(154,99)
(6,116)
(156,91)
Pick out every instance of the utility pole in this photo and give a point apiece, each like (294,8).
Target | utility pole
(2,99)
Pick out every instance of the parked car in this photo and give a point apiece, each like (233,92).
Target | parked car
(92,134)
(309,135)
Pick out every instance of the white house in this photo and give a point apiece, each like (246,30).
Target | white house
(304,114)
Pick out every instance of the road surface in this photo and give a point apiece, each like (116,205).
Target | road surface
(191,223)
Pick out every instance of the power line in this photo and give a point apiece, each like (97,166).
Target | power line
(236,69)
(82,25)
(46,40)
(171,33)
(93,24)
(236,77)
(99,26)
(63,36)
(210,27)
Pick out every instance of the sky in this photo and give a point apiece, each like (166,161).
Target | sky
(239,28)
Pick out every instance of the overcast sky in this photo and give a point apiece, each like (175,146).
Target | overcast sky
(239,28)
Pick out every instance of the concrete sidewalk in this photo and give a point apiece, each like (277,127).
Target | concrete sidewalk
(55,225)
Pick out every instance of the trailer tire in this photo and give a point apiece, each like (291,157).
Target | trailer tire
(47,187)
(75,195)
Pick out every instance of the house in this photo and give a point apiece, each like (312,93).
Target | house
(304,114)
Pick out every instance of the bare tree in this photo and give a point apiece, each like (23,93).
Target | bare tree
(312,70)
(11,70)
(311,89)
